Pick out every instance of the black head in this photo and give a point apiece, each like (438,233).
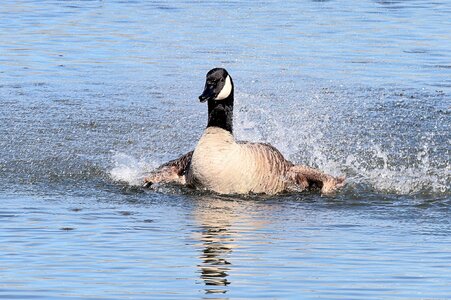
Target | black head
(218,86)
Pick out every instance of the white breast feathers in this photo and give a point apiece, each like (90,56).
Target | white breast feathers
(222,165)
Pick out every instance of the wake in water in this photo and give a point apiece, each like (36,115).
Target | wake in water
(384,141)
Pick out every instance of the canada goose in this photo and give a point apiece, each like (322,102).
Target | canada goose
(221,164)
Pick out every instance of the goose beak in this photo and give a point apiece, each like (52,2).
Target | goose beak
(207,94)
(202,98)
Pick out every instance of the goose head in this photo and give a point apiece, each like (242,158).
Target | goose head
(218,92)
(218,86)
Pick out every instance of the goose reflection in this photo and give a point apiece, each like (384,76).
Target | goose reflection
(223,221)
(215,216)
(214,267)
(218,218)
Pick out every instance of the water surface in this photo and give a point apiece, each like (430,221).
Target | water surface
(95,94)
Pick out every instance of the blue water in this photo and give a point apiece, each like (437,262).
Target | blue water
(95,94)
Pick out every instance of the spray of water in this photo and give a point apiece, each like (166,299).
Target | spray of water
(383,141)
(384,174)
(129,169)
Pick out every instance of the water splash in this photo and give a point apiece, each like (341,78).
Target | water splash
(382,173)
(384,141)
(129,169)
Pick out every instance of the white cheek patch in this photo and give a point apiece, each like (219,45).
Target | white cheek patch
(226,90)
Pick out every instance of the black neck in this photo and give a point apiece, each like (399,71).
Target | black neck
(220,113)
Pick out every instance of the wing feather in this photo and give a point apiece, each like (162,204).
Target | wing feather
(172,171)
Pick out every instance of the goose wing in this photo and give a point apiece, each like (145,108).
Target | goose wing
(172,171)
(267,154)
(264,168)
(297,177)
(307,177)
